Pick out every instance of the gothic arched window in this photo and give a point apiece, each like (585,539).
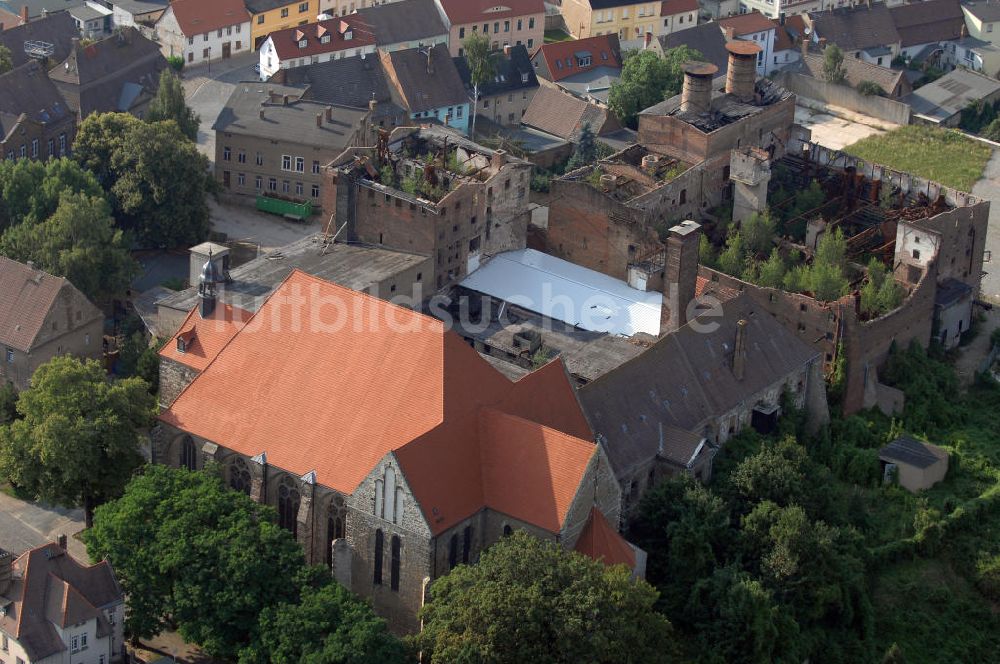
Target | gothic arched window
(394,567)
(239,476)
(189,455)
(288,507)
(334,528)
(379,544)
(453,552)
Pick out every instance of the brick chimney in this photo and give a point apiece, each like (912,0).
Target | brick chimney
(499,159)
(740,350)
(319,119)
(6,571)
(742,74)
(696,97)
(24,14)
(681,274)
(329,113)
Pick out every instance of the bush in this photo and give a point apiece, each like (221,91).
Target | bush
(870,89)
(176,62)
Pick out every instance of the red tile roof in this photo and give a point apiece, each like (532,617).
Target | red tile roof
(331,380)
(197,16)
(286,42)
(745,24)
(601,541)
(205,337)
(783,39)
(671,7)
(462,12)
(604,50)
(26,297)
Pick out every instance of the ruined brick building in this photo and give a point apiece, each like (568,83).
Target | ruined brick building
(389,447)
(431,192)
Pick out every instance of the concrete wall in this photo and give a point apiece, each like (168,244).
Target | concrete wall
(845,97)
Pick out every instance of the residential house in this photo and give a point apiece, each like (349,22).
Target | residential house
(584,67)
(273,142)
(32,40)
(267,16)
(509,24)
(942,101)
(43,316)
(925,28)
(706,38)
(678,15)
(789,38)
(982,18)
(893,82)
(445,197)
(426,83)
(506,97)
(57,610)
(405,24)
(863,32)
(334,38)
(564,115)
(757,28)
(628,19)
(136,13)
(775,9)
(388,502)
(972,53)
(93,20)
(21,12)
(199,32)
(118,74)
(35,121)
(669,410)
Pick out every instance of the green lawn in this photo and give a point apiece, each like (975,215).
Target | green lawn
(941,155)
(552,36)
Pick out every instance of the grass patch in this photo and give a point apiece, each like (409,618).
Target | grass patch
(940,155)
(553,36)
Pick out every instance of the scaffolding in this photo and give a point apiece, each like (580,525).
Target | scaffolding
(39,50)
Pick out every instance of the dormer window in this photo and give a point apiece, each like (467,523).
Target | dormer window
(181,346)
(302,43)
(524,77)
(583,61)
(325,39)
(349,35)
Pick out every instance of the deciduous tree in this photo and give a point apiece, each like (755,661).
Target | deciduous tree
(77,442)
(648,79)
(833,65)
(533,601)
(169,104)
(6,62)
(479,58)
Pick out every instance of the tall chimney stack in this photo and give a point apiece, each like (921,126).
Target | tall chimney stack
(680,276)
(696,97)
(24,14)
(742,72)
(740,350)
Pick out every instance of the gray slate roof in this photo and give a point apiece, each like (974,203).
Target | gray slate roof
(57,29)
(349,82)
(684,380)
(948,95)
(856,28)
(421,90)
(705,38)
(27,89)
(984,10)
(912,452)
(928,22)
(508,73)
(37,7)
(294,123)
(404,21)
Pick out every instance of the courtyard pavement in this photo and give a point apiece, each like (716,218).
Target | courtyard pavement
(25,525)
(836,131)
(207,92)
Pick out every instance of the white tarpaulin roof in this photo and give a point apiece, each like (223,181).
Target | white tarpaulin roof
(561,290)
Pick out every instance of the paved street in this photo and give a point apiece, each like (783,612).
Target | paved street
(207,92)
(989,188)
(25,525)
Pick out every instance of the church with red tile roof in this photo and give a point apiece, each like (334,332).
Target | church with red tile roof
(389,446)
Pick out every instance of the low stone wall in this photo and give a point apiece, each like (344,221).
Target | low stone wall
(845,97)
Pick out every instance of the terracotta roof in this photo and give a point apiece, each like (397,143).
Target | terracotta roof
(26,296)
(286,42)
(745,24)
(928,22)
(788,35)
(197,16)
(602,542)
(461,12)
(560,57)
(52,589)
(204,338)
(671,7)
(313,395)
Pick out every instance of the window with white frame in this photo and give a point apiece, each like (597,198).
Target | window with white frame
(286,162)
(300,164)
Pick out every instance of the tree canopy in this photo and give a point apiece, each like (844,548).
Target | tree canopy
(155,178)
(479,58)
(532,601)
(169,104)
(6,62)
(77,440)
(833,65)
(648,79)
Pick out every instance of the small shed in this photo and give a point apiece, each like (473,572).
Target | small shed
(918,465)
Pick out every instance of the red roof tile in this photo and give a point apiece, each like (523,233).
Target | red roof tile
(205,337)
(783,39)
(286,42)
(671,7)
(604,50)
(745,24)
(462,12)
(601,541)
(197,16)
(26,297)
(336,398)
